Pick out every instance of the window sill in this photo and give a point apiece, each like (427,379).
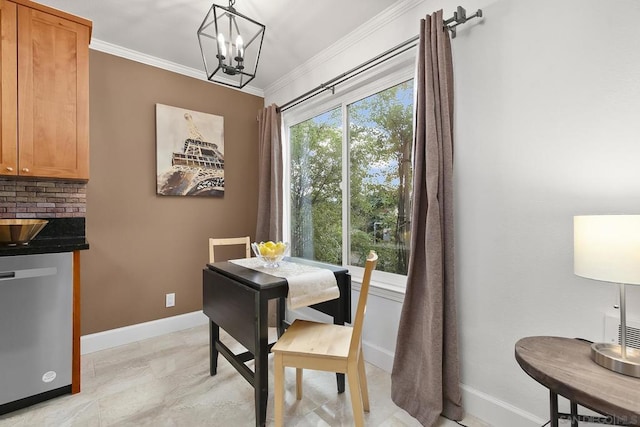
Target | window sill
(388,291)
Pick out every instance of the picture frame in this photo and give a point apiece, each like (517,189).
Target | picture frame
(189,152)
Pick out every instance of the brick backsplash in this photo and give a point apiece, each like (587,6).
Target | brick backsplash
(42,199)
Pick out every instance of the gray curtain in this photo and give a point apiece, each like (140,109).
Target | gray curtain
(269,225)
(425,380)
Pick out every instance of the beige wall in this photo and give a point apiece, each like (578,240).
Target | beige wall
(143,245)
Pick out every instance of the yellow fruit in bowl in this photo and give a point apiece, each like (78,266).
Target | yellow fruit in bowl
(262,248)
(280,248)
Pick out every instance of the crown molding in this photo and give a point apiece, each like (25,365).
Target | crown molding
(153,61)
(357,35)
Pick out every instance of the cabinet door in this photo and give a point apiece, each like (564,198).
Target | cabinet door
(8,89)
(53,92)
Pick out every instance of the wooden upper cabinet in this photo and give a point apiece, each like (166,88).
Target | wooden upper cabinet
(52,91)
(8,89)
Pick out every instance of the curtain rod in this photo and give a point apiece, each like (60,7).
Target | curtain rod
(459,17)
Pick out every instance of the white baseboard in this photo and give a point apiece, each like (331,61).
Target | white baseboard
(496,412)
(128,334)
(380,357)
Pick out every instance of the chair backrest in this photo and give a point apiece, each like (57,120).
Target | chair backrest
(370,265)
(229,241)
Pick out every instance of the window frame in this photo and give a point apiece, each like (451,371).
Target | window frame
(350,92)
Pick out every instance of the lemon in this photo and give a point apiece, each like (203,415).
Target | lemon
(262,248)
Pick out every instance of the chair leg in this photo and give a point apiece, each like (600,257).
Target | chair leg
(362,374)
(278,392)
(354,391)
(298,383)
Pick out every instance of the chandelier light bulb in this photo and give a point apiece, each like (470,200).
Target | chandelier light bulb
(239,48)
(222,45)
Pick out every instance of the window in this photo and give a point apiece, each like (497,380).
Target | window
(350,181)
(380,141)
(316,198)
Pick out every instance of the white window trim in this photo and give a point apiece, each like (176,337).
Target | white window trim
(388,285)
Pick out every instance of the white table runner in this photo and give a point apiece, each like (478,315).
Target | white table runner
(308,285)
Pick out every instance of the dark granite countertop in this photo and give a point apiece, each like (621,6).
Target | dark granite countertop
(59,235)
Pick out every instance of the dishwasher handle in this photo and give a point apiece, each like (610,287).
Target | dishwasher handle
(31,272)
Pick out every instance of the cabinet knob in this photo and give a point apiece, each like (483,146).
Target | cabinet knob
(9,169)
(25,169)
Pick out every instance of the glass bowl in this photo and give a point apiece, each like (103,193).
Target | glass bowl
(270,253)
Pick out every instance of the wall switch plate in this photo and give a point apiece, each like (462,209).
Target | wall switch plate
(170,300)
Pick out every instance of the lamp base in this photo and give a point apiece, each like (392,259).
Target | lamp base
(610,357)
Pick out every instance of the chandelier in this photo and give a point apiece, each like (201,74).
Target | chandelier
(230,44)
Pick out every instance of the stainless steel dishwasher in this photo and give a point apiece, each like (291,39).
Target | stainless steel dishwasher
(36,293)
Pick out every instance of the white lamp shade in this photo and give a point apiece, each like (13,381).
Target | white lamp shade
(607,247)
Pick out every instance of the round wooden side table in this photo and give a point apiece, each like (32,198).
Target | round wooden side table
(564,366)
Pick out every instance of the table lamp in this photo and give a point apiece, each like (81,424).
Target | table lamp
(607,248)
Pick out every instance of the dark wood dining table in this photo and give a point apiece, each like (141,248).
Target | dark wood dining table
(235,298)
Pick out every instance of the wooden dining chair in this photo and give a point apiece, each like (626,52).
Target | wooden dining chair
(227,242)
(326,347)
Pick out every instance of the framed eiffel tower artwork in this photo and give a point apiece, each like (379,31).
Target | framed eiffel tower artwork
(189,152)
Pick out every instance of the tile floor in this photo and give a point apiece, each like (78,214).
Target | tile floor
(164,381)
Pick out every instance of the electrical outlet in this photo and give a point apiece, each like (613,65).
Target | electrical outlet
(170,300)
